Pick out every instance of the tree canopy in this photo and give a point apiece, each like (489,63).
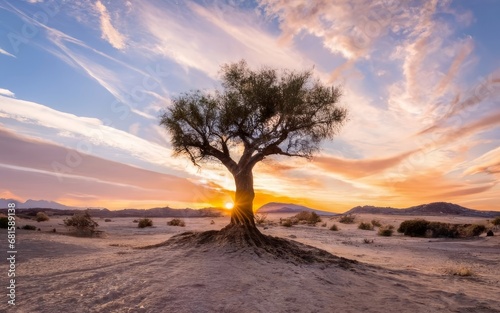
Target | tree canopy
(265,112)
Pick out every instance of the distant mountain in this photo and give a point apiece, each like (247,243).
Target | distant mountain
(277,207)
(44,204)
(435,208)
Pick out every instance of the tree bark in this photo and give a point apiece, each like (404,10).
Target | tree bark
(242,213)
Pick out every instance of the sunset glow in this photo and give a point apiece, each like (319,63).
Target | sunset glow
(80,99)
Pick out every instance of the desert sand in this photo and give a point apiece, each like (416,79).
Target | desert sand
(61,273)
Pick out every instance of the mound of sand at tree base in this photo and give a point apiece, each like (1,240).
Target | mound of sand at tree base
(59,273)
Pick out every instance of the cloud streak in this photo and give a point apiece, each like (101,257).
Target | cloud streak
(109,32)
(2,51)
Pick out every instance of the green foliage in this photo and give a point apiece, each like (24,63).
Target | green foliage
(496,221)
(82,222)
(4,222)
(176,222)
(145,222)
(29,227)
(376,223)
(266,111)
(334,227)
(386,230)
(365,226)
(347,219)
(42,217)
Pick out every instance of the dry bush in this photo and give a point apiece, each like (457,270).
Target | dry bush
(474,230)
(496,221)
(107,220)
(334,227)
(82,222)
(347,219)
(286,222)
(368,241)
(423,228)
(376,223)
(29,227)
(260,218)
(42,217)
(386,230)
(413,228)
(323,225)
(145,222)
(305,217)
(176,222)
(365,226)
(462,271)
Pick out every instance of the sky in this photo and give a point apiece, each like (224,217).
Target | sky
(83,83)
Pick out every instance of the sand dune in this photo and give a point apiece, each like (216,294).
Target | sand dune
(59,273)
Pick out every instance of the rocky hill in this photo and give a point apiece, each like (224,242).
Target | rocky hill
(278,207)
(435,208)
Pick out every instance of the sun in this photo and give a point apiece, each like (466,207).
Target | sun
(229,205)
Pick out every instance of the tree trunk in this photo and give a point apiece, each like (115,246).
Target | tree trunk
(242,213)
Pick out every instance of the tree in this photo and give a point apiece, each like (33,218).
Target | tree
(262,112)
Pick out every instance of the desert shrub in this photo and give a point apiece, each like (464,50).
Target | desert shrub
(135,221)
(462,271)
(323,225)
(334,227)
(4,222)
(347,219)
(176,222)
(376,223)
(414,228)
(437,229)
(107,220)
(145,222)
(29,227)
(365,226)
(286,222)
(260,218)
(42,217)
(496,221)
(386,230)
(82,222)
(307,217)
(474,230)
(368,241)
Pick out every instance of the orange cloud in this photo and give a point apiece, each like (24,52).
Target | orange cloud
(56,172)
(359,168)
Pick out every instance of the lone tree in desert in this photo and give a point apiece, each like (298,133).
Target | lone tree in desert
(259,113)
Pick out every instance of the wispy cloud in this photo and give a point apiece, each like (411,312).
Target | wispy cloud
(217,35)
(2,51)
(109,32)
(6,92)
(352,168)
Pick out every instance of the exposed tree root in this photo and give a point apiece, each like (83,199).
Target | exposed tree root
(243,239)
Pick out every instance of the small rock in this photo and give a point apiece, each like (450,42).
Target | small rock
(489,233)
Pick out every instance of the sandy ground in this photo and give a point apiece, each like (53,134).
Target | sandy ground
(60,273)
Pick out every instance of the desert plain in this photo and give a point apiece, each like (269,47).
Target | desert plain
(56,272)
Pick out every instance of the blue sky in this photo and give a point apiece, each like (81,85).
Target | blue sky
(82,84)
